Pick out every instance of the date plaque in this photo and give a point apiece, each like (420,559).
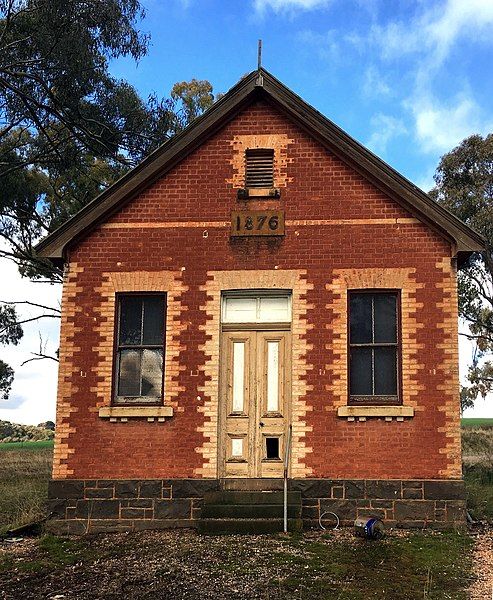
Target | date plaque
(257,222)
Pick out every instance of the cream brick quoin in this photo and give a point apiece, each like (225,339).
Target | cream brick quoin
(357,279)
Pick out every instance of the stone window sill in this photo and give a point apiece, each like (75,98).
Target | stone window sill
(361,413)
(123,413)
(244,193)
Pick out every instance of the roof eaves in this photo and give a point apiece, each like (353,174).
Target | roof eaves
(370,165)
(151,168)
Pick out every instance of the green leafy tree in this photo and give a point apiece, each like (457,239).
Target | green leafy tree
(464,185)
(68,128)
(10,333)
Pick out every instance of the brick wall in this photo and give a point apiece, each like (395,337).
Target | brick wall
(175,235)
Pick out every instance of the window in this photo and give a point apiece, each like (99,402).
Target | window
(373,348)
(140,349)
(259,170)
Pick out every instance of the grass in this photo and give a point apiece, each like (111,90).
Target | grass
(421,565)
(52,553)
(477,460)
(26,445)
(475,423)
(24,475)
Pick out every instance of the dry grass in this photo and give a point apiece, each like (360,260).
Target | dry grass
(24,475)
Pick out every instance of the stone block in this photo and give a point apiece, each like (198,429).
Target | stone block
(369,513)
(57,527)
(344,509)
(140,503)
(313,488)
(141,525)
(382,504)
(82,509)
(105,483)
(65,488)
(412,493)
(133,513)
(126,489)
(104,509)
(192,488)
(337,491)
(71,513)
(354,489)
(102,493)
(444,490)
(310,512)
(383,489)
(108,526)
(456,511)
(414,510)
(57,508)
(173,509)
(150,488)
(412,484)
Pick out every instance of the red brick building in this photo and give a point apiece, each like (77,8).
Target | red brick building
(260,278)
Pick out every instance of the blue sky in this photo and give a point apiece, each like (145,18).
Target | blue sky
(409,79)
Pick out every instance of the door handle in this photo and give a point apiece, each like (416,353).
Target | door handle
(261,424)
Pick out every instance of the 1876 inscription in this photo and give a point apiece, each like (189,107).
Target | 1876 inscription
(257,222)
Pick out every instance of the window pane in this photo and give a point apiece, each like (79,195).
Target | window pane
(385,315)
(240,310)
(152,373)
(275,310)
(385,371)
(130,320)
(360,318)
(129,376)
(360,380)
(153,320)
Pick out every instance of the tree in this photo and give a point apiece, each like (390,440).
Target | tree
(464,185)
(10,333)
(195,98)
(68,129)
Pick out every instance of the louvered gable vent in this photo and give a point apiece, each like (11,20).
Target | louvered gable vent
(259,171)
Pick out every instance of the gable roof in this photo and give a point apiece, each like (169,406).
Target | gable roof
(261,84)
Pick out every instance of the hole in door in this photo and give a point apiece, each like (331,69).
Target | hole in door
(272,447)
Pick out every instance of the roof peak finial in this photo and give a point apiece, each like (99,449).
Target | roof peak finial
(260,80)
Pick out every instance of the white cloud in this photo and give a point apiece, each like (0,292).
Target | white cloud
(439,127)
(326,44)
(374,83)
(385,128)
(435,31)
(288,5)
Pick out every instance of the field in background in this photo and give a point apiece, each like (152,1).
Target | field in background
(26,445)
(25,469)
(476,423)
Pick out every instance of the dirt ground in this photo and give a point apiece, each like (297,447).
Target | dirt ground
(182,565)
(482,587)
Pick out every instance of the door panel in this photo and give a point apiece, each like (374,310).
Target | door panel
(255,386)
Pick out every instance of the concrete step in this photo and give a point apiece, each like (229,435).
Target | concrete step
(249,511)
(246,526)
(250,497)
